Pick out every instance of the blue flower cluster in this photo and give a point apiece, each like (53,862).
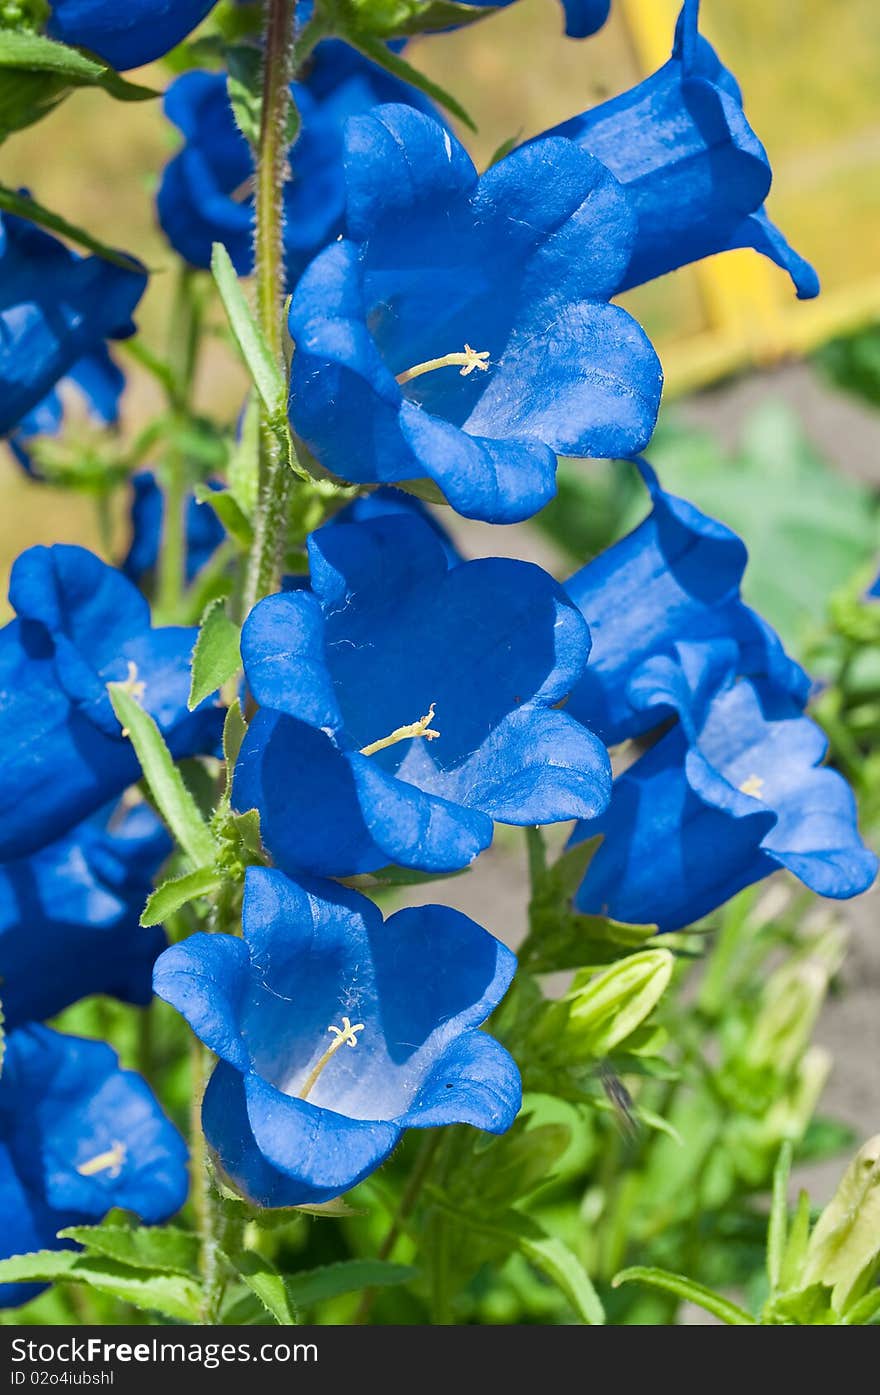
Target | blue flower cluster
(79,1136)
(457,330)
(207,189)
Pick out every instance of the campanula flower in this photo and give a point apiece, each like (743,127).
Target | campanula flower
(126,33)
(698,176)
(461,331)
(95,380)
(675,577)
(56,309)
(378,503)
(336,1031)
(404,705)
(81,624)
(78,1136)
(207,189)
(203,530)
(733,791)
(69,916)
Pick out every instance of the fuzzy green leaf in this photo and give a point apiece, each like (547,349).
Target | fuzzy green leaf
(229,512)
(263,1280)
(395,18)
(261,364)
(347,1276)
(179,891)
(165,1249)
(244,83)
(173,799)
(172,1295)
(234,732)
(243,470)
(216,654)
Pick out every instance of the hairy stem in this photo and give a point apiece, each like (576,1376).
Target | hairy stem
(275,475)
(207,1220)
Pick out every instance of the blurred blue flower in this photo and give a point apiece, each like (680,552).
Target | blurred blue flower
(95,379)
(675,577)
(203,530)
(698,176)
(336,1031)
(207,193)
(462,331)
(126,33)
(69,917)
(78,1136)
(731,793)
(404,705)
(56,310)
(80,625)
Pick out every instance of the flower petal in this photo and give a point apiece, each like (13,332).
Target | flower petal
(475,1081)
(205,977)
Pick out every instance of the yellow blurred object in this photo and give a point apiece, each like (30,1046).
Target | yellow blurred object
(751,317)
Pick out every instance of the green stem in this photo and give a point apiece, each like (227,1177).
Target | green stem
(183,340)
(441,1298)
(422,1166)
(275,474)
(202,1193)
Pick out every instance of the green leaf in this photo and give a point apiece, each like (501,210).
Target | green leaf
(246,827)
(256,353)
(553,1258)
(263,1279)
(164,1248)
(394,18)
(688,1291)
(796,1245)
(347,1276)
(384,57)
(19,49)
(216,654)
(504,149)
(38,73)
(243,471)
(179,891)
(36,53)
(172,1295)
(864,1312)
(234,732)
(778,1226)
(173,799)
(244,83)
(229,512)
(26,207)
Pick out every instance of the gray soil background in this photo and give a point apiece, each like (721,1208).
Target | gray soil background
(495,891)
